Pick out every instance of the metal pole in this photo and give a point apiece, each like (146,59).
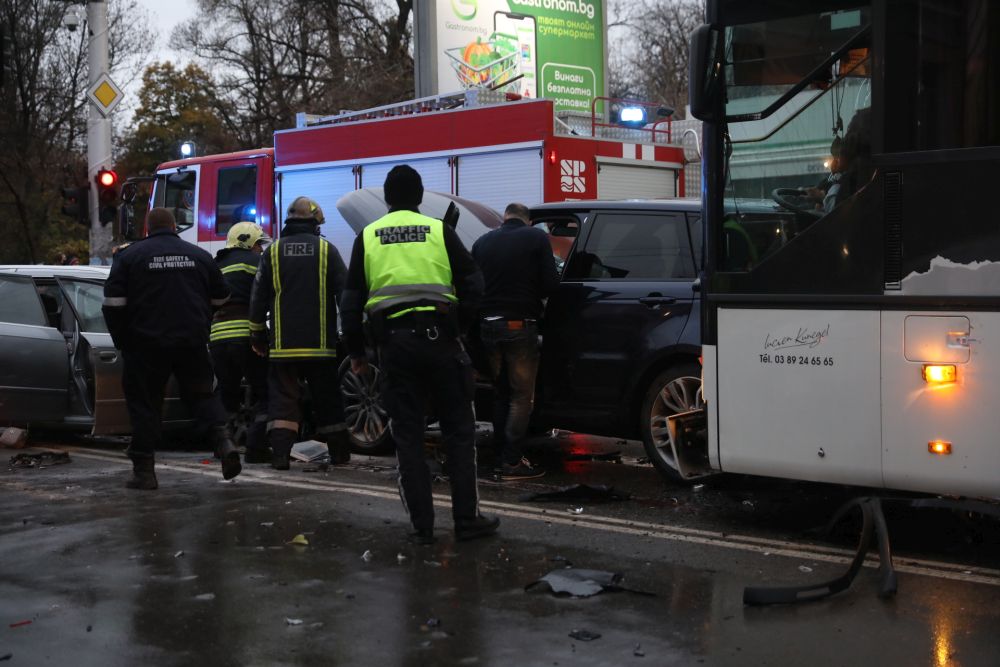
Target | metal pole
(98,127)
(424,48)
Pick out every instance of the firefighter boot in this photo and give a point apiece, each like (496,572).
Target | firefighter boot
(281,440)
(143,474)
(338,444)
(231,466)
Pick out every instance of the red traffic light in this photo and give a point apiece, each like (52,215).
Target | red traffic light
(107,178)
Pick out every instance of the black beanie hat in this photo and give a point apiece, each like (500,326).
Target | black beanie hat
(403,187)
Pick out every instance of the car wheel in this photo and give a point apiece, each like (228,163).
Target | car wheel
(366,417)
(676,389)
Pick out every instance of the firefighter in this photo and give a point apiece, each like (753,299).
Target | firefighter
(419,287)
(158,303)
(232,357)
(296,291)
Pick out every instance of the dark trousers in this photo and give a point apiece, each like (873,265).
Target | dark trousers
(415,370)
(284,399)
(513,355)
(144,379)
(234,360)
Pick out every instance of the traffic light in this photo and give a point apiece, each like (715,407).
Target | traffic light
(75,204)
(107,196)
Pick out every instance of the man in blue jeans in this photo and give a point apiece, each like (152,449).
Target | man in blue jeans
(519,271)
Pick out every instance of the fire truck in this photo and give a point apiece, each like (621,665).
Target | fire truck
(478,145)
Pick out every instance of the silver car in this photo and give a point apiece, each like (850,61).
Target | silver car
(58,365)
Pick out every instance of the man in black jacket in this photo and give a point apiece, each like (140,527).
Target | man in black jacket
(296,291)
(519,270)
(232,357)
(158,303)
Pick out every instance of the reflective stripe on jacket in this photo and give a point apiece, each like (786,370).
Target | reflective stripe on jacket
(406,262)
(238,266)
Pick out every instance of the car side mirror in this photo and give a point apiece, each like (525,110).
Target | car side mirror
(705,73)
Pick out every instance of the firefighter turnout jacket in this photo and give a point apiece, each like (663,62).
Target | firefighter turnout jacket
(161,292)
(296,291)
(406,262)
(232,321)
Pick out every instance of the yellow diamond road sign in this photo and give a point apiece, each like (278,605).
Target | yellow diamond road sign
(105,95)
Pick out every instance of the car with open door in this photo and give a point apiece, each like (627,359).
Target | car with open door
(59,368)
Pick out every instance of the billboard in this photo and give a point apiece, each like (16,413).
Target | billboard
(539,48)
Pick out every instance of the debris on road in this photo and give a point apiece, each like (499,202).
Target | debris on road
(585,635)
(266,524)
(205,597)
(42,460)
(178,554)
(593,494)
(293,621)
(400,558)
(299,541)
(575,510)
(20,623)
(6,656)
(14,438)
(638,652)
(610,457)
(805,568)
(697,487)
(310,451)
(578,583)
(367,556)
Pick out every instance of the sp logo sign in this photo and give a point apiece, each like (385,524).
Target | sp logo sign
(571,176)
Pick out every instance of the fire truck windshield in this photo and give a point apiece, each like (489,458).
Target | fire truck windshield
(175,191)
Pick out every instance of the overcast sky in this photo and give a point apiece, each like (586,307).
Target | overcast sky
(164,15)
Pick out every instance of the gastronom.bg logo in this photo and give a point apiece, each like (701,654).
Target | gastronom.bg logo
(465,9)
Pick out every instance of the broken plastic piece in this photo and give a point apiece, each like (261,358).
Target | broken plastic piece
(575,510)
(178,554)
(805,568)
(584,635)
(638,652)
(367,556)
(310,451)
(299,541)
(400,558)
(578,583)
(293,621)
(579,492)
(20,623)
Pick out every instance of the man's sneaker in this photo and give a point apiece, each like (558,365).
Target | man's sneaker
(523,470)
(481,526)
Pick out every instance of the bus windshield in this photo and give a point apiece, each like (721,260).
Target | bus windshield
(798,97)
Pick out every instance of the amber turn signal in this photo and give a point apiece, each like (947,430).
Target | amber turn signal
(942,447)
(940,373)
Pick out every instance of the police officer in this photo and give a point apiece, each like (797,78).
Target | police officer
(296,290)
(158,303)
(232,357)
(419,287)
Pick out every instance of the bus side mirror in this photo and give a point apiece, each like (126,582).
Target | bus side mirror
(705,73)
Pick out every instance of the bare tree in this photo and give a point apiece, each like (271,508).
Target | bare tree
(274,58)
(43,116)
(652,58)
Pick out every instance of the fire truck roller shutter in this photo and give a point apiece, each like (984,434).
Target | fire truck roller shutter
(434,172)
(499,178)
(618,181)
(325,186)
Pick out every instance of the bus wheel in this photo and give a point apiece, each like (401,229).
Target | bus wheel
(676,389)
(366,418)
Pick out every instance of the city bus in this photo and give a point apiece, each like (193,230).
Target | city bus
(851,289)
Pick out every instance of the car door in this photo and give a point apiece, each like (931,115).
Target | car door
(625,296)
(34,367)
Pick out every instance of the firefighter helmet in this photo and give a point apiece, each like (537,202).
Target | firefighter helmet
(304,208)
(245,235)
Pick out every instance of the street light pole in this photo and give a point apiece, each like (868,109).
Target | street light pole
(98,128)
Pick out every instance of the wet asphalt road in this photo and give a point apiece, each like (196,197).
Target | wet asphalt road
(201,572)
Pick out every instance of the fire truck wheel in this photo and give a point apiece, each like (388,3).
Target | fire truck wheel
(367,420)
(674,390)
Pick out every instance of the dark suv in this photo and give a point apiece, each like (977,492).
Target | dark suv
(620,336)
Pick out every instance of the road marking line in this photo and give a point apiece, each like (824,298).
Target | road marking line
(758,545)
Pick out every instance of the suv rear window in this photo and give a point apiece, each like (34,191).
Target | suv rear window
(635,246)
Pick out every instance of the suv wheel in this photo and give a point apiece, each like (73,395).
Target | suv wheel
(676,389)
(366,418)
